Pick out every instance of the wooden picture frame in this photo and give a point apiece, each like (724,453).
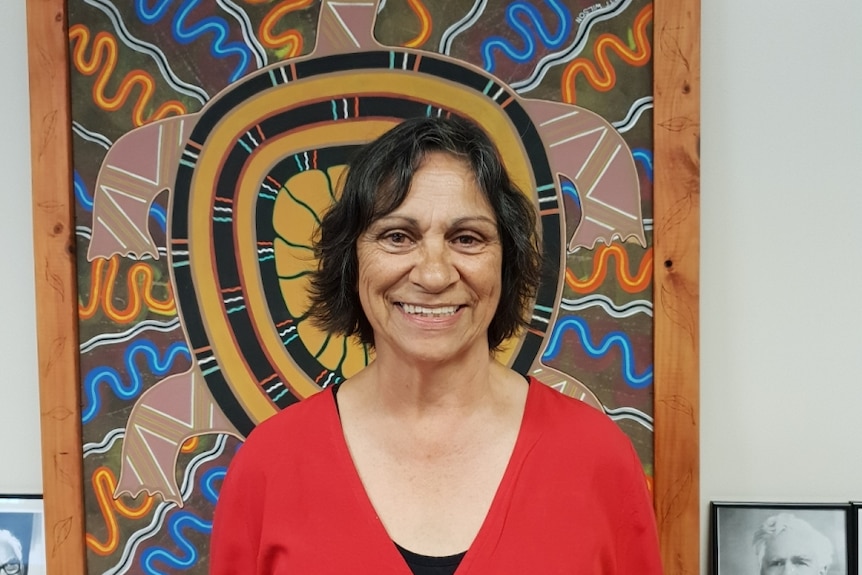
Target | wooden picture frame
(676,92)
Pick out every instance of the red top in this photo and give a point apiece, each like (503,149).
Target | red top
(573,499)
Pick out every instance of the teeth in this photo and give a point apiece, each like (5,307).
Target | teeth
(429,311)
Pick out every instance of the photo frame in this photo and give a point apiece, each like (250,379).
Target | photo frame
(675,282)
(763,537)
(22,533)
(855,539)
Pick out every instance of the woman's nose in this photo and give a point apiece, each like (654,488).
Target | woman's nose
(434,269)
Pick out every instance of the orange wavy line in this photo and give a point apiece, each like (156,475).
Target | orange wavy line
(104,56)
(104,484)
(102,292)
(290,37)
(424,20)
(605,77)
(629,284)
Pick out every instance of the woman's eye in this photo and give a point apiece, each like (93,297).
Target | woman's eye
(397,238)
(467,241)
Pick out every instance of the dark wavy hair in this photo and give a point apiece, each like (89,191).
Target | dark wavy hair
(377,182)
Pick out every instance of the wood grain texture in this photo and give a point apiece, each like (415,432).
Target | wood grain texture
(676,53)
(676,209)
(56,293)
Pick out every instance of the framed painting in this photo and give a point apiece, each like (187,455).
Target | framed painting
(182,153)
(22,535)
(770,538)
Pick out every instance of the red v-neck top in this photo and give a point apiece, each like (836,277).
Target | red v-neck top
(573,499)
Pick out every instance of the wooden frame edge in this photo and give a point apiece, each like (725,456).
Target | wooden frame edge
(56,286)
(676,58)
(676,229)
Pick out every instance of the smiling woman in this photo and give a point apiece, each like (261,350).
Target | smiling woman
(436,457)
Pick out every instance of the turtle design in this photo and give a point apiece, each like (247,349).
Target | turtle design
(248,176)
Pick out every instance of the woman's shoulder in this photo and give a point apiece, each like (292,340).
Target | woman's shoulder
(294,424)
(566,416)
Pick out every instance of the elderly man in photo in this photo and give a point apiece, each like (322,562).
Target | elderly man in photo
(11,554)
(786,544)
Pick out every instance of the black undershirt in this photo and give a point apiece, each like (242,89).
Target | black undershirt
(421,564)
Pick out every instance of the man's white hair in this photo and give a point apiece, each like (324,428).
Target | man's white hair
(7,537)
(776,524)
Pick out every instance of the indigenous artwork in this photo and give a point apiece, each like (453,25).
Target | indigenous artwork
(208,137)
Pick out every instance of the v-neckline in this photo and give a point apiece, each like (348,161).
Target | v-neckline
(527,436)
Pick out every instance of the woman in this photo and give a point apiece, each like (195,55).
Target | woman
(435,457)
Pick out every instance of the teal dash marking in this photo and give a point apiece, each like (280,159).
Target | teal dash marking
(223,220)
(264,258)
(543,308)
(181,264)
(391,60)
(210,370)
(334,111)
(291,338)
(272,78)
(298,163)
(488,87)
(187,164)
(267,196)
(235,309)
(280,395)
(428,112)
(545,187)
(244,145)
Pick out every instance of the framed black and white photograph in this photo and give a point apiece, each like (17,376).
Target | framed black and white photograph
(780,538)
(22,535)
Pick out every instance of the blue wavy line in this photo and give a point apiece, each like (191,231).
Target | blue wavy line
(188,555)
(570,190)
(132,389)
(81,193)
(186,32)
(207,479)
(159,214)
(644,156)
(526,34)
(613,338)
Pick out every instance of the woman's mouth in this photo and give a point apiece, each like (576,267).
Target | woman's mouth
(423,311)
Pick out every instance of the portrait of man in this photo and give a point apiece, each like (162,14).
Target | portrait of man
(11,554)
(784,543)
(22,540)
(779,540)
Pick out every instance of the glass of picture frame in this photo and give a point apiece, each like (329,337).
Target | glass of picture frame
(779,538)
(22,535)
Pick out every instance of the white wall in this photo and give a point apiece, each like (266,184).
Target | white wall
(781,282)
(19,396)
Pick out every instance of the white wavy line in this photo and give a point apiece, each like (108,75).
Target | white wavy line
(91,136)
(571,51)
(639,106)
(107,442)
(647,224)
(633,418)
(247,30)
(84,232)
(461,25)
(151,50)
(138,537)
(607,304)
(112,338)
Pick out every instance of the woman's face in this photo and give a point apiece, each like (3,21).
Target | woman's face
(429,271)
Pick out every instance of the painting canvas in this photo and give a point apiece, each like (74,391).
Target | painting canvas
(22,535)
(207,139)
